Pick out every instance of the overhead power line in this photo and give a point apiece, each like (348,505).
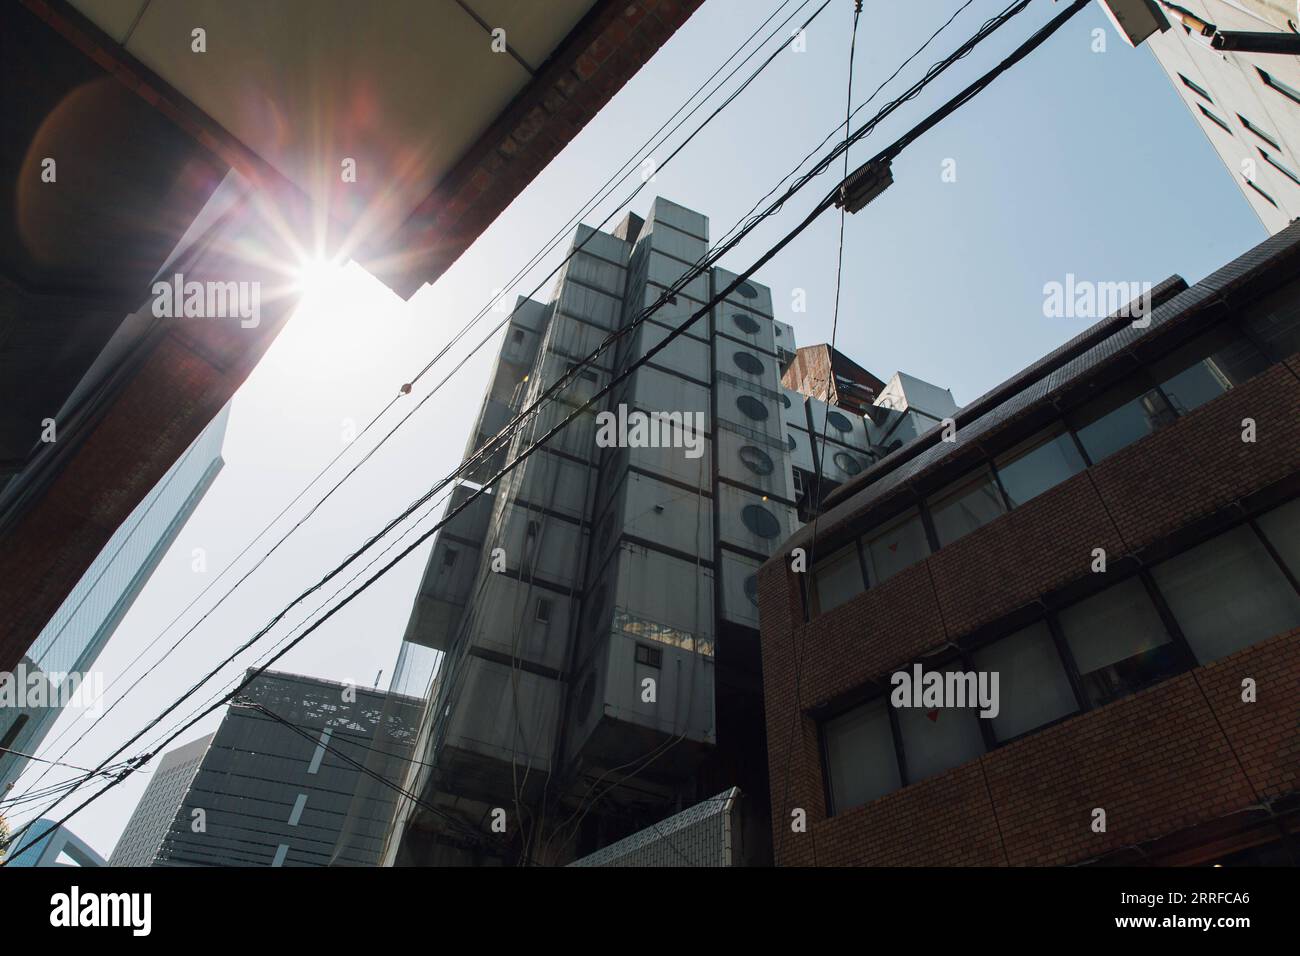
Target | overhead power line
(826,203)
(601,194)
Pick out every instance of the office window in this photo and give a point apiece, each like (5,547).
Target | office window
(860,757)
(1033,688)
(1198,90)
(1274,322)
(649,656)
(838,579)
(1276,164)
(969,504)
(1227,594)
(1214,119)
(1207,367)
(1267,198)
(1119,417)
(543,615)
(1118,642)
(1258,132)
(898,545)
(1274,83)
(1037,465)
(1282,528)
(938,740)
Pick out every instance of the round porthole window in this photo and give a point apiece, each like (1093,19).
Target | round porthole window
(790,442)
(747,290)
(751,407)
(745,323)
(785,399)
(839,422)
(756,460)
(848,464)
(751,589)
(760,521)
(747,363)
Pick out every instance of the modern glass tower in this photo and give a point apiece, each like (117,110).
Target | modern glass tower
(69,644)
(288,779)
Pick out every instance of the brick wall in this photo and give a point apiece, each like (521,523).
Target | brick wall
(1181,753)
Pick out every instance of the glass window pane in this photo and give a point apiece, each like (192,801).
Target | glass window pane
(1282,528)
(899,545)
(1275,322)
(1038,465)
(1033,688)
(860,755)
(938,740)
(1118,641)
(1207,367)
(838,579)
(970,504)
(1227,594)
(1119,417)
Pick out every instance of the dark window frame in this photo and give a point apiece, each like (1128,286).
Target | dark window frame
(1048,611)
(1062,421)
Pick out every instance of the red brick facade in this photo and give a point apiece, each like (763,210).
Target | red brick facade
(1183,753)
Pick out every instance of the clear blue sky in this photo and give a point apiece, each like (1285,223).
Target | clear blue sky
(1076,162)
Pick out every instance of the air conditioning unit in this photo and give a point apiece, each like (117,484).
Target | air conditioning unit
(1135,19)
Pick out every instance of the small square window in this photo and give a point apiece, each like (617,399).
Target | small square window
(543,615)
(1038,465)
(1120,416)
(649,656)
(965,506)
(1215,119)
(1278,165)
(1259,132)
(1207,367)
(838,579)
(1198,90)
(1267,198)
(861,761)
(900,544)
(449,557)
(1274,321)
(1274,83)
(1119,643)
(1227,594)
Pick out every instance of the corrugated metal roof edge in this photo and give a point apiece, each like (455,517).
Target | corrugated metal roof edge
(1172,297)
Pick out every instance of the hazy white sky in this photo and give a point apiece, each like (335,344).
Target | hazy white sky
(1076,162)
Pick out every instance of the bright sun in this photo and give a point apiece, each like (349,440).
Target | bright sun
(319,278)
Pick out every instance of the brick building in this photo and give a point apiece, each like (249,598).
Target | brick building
(1164,691)
(826,373)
